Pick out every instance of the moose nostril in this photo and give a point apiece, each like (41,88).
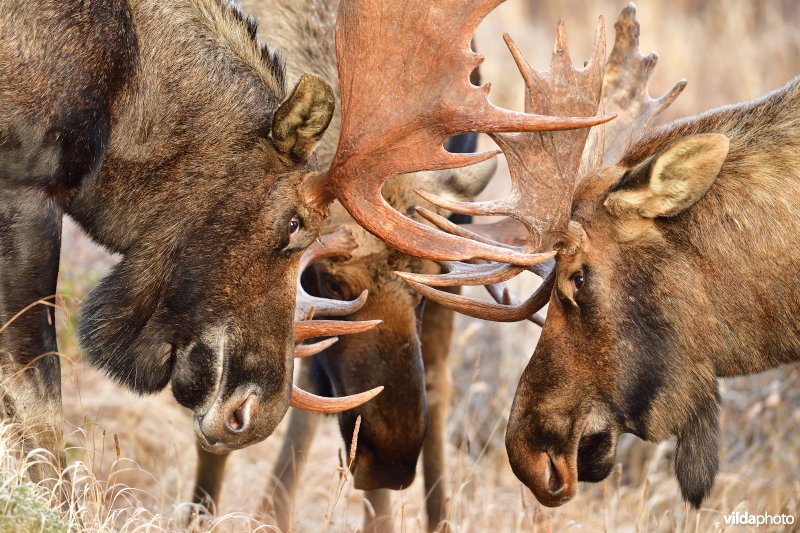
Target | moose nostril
(239,418)
(554,483)
(236,421)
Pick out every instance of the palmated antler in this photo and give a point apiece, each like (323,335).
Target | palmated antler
(544,170)
(307,307)
(625,93)
(404,70)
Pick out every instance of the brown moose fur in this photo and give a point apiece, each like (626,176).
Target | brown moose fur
(156,126)
(668,304)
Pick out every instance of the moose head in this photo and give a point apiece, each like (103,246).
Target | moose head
(625,347)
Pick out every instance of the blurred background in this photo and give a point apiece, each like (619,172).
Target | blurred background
(728,51)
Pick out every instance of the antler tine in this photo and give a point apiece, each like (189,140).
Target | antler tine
(326,307)
(320,404)
(507,232)
(494,312)
(399,126)
(465,274)
(307,350)
(308,329)
(625,88)
(502,295)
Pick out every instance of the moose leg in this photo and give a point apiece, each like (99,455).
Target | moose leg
(378,511)
(437,330)
(294,451)
(30,370)
(208,481)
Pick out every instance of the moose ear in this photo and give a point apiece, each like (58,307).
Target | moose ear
(671,181)
(301,120)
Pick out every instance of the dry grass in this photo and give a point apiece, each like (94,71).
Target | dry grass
(729,52)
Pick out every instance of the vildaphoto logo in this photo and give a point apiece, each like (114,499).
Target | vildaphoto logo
(765,519)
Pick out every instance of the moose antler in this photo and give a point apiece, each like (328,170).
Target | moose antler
(625,92)
(543,167)
(338,243)
(400,102)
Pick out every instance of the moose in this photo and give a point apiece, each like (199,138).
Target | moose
(168,133)
(673,268)
(689,212)
(410,414)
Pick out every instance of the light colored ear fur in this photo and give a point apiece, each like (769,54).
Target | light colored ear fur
(301,120)
(679,177)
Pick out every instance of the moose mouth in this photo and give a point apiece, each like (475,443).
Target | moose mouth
(596,456)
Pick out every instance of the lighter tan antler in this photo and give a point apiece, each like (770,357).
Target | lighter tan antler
(306,326)
(338,243)
(404,70)
(624,92)
(320,404)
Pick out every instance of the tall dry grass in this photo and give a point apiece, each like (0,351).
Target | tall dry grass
(729,51)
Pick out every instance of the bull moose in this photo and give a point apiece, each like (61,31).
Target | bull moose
(410,414)
(689,213)
(168,133)
(674,267)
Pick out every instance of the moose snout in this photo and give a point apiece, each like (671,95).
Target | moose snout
(242,419)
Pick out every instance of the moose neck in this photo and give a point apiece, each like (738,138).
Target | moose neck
(741,284)
(191,123)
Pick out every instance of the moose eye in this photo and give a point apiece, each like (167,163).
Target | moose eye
(294,225)
(577,281)
(334,288)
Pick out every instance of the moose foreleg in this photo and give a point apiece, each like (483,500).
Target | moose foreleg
(208,481)
(30,370)
(280,496)
(437,330)
(378,511)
